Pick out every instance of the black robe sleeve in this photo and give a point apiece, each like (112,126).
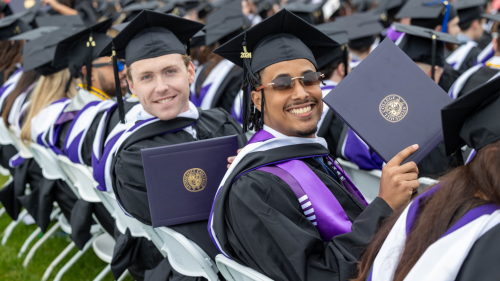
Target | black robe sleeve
(470,59)
(268,232)
(229,88)
(482,262)
(331,131)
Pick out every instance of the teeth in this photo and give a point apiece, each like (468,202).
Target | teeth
(301,110)
(165,100)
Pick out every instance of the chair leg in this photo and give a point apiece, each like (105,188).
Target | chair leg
(2,211)
(75,258)
(28,242)
(59,258)
(103,273)
(123,276)
(39,243)
(12,225)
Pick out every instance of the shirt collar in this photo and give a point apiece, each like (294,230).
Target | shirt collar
(494,62)
(96,92)
(192,113)
(463,38)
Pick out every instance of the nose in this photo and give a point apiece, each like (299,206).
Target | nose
(162,84)
(299,91)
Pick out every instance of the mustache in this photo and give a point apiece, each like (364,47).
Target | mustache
(307,100)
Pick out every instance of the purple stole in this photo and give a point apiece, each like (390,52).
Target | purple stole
(317,201)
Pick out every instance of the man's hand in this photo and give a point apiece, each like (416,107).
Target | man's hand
(231,159)
(399,182)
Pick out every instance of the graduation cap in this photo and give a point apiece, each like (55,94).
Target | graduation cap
(172,7)
(311,13)
(198,40)
(135,8)
(338,33)
(5,9)
(119,27)
(150,35)
(391,7)
(125,3)
(473,118)
(361,29)
(428,13)
(468,11)
(27,15)
(225,23)
(39,53)
(11,26)
(34,33)
(424,44)
(82,48)
(281,37)
(205,8)
(59,20)
(264,6)
(188,4)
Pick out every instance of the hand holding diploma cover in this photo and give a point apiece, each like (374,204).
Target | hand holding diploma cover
(390,103)
(182,179)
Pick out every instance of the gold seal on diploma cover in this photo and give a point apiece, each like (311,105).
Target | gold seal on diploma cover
(29,3)
(393,108)
(195,180)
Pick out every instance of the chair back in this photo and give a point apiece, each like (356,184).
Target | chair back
(368,182)
(234,271)
(81,178)
(183,254)
(48,162)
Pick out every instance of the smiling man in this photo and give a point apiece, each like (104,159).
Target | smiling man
(159,73)
(284,207)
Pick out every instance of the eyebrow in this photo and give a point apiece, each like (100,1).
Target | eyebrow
(165,68)
(288,75)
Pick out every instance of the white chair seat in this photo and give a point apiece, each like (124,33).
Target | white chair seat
(234,271)
(48,162)
(81,177)
(103,247)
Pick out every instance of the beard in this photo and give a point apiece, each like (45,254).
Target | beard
(307,133)
(108,87)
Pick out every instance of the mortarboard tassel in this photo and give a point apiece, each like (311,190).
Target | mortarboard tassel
(248,77)
(88,61)
(119,98)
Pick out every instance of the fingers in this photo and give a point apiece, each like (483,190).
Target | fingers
(402,155)
(239,150)
(409,177)
(231,159)
(409,167)
(413,184)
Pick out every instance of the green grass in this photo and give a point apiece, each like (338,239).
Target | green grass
(11,268)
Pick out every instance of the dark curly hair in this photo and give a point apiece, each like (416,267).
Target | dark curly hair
(255,119)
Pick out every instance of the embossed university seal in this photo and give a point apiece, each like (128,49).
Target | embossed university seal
(393,108)
(195,180)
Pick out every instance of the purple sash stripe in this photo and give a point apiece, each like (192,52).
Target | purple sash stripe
(261,135)
(471,215)
(331,217)
(328,87)
(198,100)
(415,207)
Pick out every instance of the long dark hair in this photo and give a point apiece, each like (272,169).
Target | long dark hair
(462,189)
(26,80)
(255,119)
(10,54)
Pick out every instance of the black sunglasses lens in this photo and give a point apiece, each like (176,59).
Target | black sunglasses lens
(282,83)
(311,79)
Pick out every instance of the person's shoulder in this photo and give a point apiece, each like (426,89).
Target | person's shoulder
(257,182)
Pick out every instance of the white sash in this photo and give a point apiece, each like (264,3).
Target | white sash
(458,56)
(216,76)
(441,261)
(41,123)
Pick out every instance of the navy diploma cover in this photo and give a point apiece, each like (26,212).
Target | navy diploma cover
(390,103)
(182,179)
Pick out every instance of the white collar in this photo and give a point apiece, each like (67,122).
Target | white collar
(273,132)
(463,38)
(495,61)
(192,113)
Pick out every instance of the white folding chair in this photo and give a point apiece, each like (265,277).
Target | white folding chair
(368,182)
(234,271)
(185,256)
(83,181)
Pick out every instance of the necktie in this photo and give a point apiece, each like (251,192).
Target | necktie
(328,169)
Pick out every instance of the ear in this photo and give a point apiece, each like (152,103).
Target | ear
(191,73)
(495,45)
(341,69)
(438,28)
(131,86)
(257,99)
(84,70)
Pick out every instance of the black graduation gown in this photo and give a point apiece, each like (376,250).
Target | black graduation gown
(484,40)
(470,59)
(128,180)
(437,163)
(479,78)
(331,130)
(483,259)
(228,89)
(448,77)
(260,223)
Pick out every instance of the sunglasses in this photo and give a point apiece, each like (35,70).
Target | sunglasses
(286,83)
(120,64)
